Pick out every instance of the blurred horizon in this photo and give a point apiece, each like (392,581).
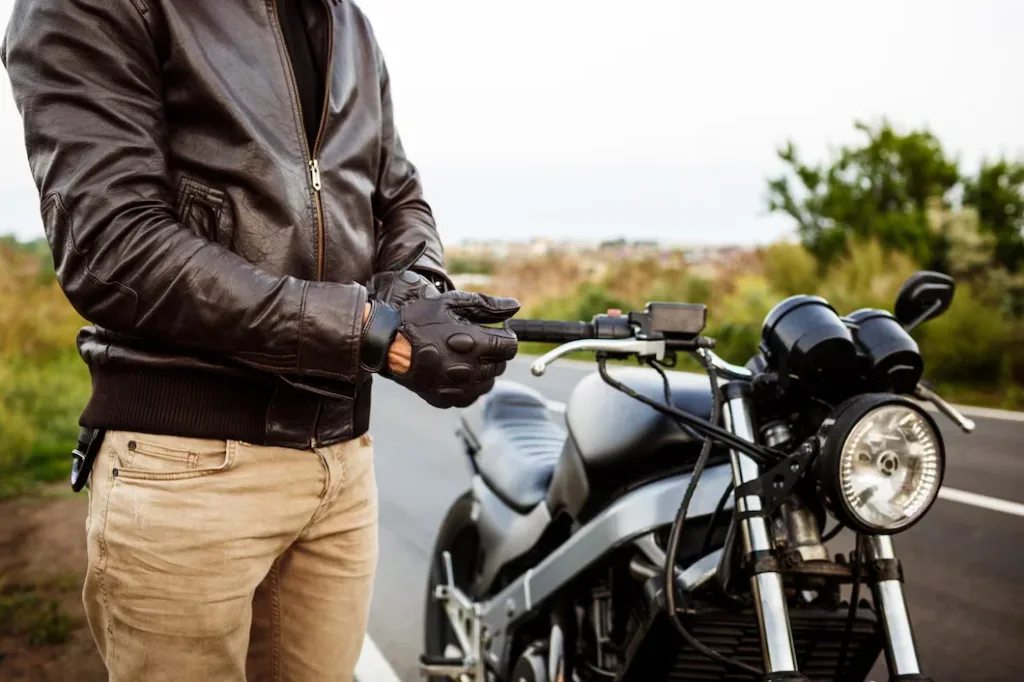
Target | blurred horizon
(657,120)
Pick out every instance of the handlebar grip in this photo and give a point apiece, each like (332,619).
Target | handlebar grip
(551,331)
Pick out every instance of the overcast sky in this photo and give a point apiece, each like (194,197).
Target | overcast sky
(654,118)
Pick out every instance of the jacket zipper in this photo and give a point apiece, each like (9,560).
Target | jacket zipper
(311,155)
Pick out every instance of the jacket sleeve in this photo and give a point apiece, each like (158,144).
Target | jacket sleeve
(398,203)
(86,78)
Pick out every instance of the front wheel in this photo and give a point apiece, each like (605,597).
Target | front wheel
(459,537)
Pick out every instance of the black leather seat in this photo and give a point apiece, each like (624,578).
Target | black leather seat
(519,445)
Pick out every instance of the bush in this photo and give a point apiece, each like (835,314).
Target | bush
(968,344)
(470,266)
(867,277)
(39,408)
(790,268)
(43,382)
(736,322)
(974,351)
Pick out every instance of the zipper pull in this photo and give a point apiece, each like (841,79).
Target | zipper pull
(314,173)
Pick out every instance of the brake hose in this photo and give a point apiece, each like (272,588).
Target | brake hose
(709,534)
(851,615)
(762,455)
(668,398)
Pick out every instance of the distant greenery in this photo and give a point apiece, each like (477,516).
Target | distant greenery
(889,187)
(867,220)
(43,383)
(469,266)
(973,352)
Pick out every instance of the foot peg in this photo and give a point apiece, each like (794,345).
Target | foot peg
(454,668)
(464,618)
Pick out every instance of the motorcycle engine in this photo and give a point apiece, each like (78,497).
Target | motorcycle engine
(532,665)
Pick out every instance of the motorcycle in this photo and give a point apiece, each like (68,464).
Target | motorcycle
(675,527)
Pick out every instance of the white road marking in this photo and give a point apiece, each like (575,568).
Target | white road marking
(983,501)
(372,666)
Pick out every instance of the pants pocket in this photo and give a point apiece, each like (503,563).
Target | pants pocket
(177,560)
(154,457)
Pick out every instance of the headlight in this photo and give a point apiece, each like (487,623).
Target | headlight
(881,463)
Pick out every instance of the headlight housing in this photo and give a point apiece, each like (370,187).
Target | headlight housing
(881,463)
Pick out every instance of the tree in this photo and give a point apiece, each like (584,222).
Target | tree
(879,190)
(971,249)
(789,268)
(997,193)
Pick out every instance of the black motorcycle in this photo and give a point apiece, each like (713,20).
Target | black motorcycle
(675,527)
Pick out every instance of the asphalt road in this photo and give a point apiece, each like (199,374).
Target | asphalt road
(964,565)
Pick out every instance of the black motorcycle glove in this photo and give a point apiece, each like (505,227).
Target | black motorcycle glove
(401,285)
(454,360)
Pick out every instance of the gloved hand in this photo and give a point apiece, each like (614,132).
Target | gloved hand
(400,285)
(454,360)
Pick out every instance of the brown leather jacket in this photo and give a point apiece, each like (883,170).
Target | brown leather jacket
(219,258)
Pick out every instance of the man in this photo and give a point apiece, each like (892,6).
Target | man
(218,181)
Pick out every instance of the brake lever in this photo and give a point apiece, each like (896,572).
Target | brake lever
(640,348)
(922,392)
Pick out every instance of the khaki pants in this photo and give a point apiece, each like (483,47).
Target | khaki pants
(214,560)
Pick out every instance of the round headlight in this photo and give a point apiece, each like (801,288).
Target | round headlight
(881,463)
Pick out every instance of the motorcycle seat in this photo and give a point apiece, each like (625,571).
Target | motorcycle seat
(520,444)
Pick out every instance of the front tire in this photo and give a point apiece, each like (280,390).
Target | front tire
(457,535)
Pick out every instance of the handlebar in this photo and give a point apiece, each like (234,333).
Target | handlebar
(551,331)
(922,392)
(625,335)
(566,331)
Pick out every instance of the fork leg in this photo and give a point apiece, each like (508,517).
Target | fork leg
(769,598)
(900,648)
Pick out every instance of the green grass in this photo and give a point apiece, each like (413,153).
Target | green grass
(35,611)
(40,403)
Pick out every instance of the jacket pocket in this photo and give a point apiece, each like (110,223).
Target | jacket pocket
(206,211)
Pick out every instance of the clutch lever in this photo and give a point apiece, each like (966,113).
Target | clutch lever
(922,392)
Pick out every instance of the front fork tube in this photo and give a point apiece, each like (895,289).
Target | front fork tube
(900,650)
(769,598)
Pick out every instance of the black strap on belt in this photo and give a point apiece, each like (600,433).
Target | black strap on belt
(83,456)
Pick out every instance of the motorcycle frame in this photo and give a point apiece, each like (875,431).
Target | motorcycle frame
(655,505)
(630,517)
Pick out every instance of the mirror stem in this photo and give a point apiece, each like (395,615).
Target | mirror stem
(923,316)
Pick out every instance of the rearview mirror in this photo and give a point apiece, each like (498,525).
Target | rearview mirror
(924,296)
